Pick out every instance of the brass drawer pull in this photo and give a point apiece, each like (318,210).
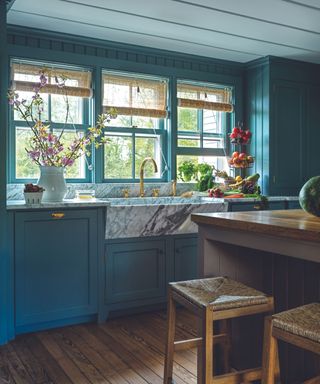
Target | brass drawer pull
(257,207)
(57,215)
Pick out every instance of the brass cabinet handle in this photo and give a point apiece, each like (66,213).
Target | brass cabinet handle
(57,215)
(257,207)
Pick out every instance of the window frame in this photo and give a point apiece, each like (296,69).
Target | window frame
(162,132)
(226,126)
(13,124)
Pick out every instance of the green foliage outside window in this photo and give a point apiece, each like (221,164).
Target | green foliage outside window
(124,153)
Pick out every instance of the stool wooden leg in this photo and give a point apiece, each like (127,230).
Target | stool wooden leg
(270,358)
(225,327)
(171,328)
(205,350)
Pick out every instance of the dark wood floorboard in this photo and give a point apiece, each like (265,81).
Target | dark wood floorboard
(128,350)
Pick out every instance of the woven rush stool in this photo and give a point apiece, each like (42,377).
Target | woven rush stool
(211,299)
(300,327)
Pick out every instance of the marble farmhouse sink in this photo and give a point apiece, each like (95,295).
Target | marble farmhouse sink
(156,216)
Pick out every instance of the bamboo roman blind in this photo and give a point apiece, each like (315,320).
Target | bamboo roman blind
(201,97)
(26,77)
(134,96)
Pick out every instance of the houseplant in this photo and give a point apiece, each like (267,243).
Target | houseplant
(47,149)
(200,173)
(187,170)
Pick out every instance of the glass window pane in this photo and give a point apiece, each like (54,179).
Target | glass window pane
(59,109)
(212,121)
(212,142)
(136,122)
(185,141)
(28,97)
(147,146)
(187,119)
(25,167)
(118,157)
(145,122)
(78,169)
(122,121)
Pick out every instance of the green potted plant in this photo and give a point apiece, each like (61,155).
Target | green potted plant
(187,170)
(204,177)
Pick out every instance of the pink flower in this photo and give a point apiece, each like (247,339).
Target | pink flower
(34,155)
(66,162)
(52,138)
(50,151)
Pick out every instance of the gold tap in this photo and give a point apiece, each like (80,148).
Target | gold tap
(155,192)
(126,193)
(142,171)
(174,187)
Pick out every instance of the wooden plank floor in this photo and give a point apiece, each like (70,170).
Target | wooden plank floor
(127,350)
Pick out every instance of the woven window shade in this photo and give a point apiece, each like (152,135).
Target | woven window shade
(194,96)
(26,78)
(134,96)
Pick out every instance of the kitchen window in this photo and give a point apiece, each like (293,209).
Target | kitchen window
(25,77)
(139,131)
(204,113)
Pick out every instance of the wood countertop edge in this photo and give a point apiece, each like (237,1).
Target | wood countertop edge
(276,230)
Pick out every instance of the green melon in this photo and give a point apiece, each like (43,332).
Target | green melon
(309,196)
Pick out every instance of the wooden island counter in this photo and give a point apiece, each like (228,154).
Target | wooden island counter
(277,252)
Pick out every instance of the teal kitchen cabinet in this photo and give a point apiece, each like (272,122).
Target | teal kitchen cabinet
(185,258)
(55,267)
(135,270)
(283,98)
(287,138)
(138,270)
(255,206)
(293,204)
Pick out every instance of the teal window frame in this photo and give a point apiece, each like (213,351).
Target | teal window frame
(161,132)
(86,118)
(201,151)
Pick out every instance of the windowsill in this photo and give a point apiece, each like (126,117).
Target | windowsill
(109,190)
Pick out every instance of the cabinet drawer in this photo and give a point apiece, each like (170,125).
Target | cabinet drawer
(135,270)
(255,206)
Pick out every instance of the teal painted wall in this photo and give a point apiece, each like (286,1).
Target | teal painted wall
(4,299)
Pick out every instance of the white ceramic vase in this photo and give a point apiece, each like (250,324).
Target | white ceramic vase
(53,181)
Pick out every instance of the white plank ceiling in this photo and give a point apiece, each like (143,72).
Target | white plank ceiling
(237,30)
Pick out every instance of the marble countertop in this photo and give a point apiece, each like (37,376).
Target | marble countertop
(136,201)
(66,203)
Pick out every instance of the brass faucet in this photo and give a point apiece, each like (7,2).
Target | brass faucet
(142,171)
(174,187)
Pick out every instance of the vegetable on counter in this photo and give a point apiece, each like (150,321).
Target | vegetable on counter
(215,192)
(235,196)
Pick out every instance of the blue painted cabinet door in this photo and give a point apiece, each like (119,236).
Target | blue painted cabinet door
(287,138)
(312,133)
(55,266)
(135,270)
(185,258)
